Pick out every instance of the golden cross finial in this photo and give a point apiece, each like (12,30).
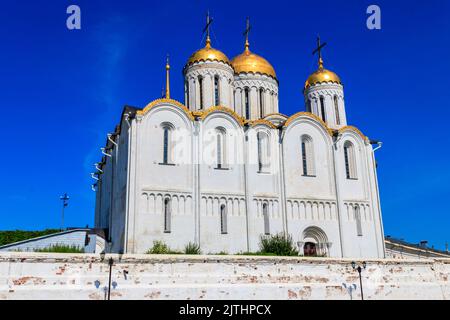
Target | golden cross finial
(319,51)
(167,78)
(246,32)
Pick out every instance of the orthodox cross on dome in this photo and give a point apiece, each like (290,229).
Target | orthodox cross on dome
(246,32)
(209,20)
(167,78)
(319,51)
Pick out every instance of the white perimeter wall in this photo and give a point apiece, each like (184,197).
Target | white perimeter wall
(74,276)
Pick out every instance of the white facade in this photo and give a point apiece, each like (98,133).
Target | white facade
(222,176)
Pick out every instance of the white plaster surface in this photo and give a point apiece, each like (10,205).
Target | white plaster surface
(74,276)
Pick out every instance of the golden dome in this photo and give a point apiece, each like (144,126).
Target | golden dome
(322,75)
(248,61)
(208,53)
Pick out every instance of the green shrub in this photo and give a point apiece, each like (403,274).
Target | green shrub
(192,248)
(7,237)
(61,248)
(278,244)
(159,247)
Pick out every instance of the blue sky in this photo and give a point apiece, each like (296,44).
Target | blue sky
(61,91)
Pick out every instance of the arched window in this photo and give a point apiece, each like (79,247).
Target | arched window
(186,90)
(220,148)
(216,91)
(200,85)
(307,156)
(167,215)
(322,109)
(358,221)
(263,152)
(308,105)
(261,102)
(336,110)
(350,160)
(247,103)
(167,143)
(223,219)
(266,219)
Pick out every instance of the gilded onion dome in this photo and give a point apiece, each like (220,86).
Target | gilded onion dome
(208,53)
(322,75)
(249,62)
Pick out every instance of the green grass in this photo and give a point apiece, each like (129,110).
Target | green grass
(192,248)
(12,236)
(59,248)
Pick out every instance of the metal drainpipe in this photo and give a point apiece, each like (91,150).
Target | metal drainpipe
(338,196)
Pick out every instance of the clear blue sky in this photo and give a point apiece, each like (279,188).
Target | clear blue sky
(61,91)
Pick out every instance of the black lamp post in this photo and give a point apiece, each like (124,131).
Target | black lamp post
(359,268)
(110,263)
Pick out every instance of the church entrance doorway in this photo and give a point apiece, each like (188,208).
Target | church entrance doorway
(309,249)
(314,243)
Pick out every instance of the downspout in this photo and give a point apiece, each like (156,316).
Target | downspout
(338,194)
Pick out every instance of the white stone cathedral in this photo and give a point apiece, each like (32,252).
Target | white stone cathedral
(226,168)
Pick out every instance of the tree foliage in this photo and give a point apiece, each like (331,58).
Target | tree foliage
(12,236)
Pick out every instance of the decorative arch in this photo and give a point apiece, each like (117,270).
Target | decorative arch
(238,118)
(315,235)
(311,116)
(170,102)
(262,122)
(356,130)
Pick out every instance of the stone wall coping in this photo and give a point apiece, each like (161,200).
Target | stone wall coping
(40,257)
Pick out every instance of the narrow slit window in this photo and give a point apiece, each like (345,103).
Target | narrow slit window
(247,103)
(200,84)
(223,219)
(220,148)
(266,219)
(358,221)
(350,160)
(322,109)
(167,215)
(216,91)
(261,103)
(167,144)
(336,110)
(307,150)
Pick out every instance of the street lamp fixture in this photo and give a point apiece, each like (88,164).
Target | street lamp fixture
(359,268)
